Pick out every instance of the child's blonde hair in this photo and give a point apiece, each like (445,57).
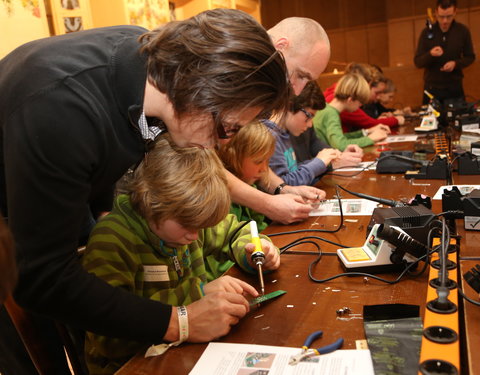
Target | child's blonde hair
(185,184)
(353,86)
(253,140)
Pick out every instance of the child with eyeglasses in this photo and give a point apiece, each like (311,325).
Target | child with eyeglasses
(295,122)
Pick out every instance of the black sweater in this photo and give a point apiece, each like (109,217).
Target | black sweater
(457,46)
(68,115)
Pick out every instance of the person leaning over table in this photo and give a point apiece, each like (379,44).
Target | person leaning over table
(76,112)
(169,241)
(306,48)
(443,52)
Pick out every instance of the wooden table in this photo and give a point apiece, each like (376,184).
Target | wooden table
(308,305)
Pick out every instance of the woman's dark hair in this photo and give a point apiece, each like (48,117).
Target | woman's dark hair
(217,61)
(310,97)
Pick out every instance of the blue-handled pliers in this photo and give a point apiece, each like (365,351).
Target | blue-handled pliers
(309,352)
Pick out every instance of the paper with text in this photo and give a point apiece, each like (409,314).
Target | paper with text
(247,359)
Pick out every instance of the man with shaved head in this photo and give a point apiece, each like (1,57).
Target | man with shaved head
(305,46)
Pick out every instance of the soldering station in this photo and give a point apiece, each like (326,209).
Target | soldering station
(407,238)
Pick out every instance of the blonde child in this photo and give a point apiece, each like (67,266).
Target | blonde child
(159,241)
(351,92)
(246,156)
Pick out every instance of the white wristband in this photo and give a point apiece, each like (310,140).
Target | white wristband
(364,132)
(182,323)
(155,350)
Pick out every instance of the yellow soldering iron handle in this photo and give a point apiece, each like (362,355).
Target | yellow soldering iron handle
(258,252)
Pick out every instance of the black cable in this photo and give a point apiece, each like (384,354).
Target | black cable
(464,296)
(286,248)
(294,242)
(349,274)
(363,169)
(318,230)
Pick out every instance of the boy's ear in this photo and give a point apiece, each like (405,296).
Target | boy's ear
(153,225)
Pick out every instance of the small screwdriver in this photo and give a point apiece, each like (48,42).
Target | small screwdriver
(258,256)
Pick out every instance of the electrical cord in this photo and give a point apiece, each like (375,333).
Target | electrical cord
(459,290)
(318,230)
(465,297)
(364,274)
(363,169)
(297,242)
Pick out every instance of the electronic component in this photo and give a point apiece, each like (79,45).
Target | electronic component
(266,297)
(466,206)
(472,277)
(414,220)
(379,252)
(468,163)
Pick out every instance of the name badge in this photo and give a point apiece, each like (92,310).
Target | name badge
(156,273)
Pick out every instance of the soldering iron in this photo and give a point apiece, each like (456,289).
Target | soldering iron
(258,256)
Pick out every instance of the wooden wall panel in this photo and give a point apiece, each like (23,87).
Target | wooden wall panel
(401,41)
(418,26)
(356,45)
(339,52)
(327,13)
(377,44)
(377,11)
(470,81)
(474,26)
(399,8)
(353,13)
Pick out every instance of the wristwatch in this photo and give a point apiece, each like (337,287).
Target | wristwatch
(279,188)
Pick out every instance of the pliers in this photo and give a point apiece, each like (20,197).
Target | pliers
(308,352)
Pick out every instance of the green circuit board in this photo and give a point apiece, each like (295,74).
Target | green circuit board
(266,297)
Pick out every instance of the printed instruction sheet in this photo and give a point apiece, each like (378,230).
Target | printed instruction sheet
(247,359)
(401,138)
(350,207)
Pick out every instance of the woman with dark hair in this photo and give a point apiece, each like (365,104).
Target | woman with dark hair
(78,110)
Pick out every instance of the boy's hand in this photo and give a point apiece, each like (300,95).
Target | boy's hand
(379,132)
(328,154)
(229,284)
(351,156)
(272,257)
(400,119)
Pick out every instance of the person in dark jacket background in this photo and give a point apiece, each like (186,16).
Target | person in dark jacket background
(443,50)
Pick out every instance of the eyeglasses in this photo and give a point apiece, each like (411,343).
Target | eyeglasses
(224,131)
(307,114)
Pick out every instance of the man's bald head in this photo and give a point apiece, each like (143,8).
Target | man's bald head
(305,46)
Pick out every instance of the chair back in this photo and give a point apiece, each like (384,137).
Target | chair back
(29,331)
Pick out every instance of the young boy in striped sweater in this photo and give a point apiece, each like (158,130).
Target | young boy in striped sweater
(170,239)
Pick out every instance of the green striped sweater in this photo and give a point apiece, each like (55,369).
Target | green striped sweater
(124,252)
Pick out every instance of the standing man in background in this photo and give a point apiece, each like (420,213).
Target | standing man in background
(444,50)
